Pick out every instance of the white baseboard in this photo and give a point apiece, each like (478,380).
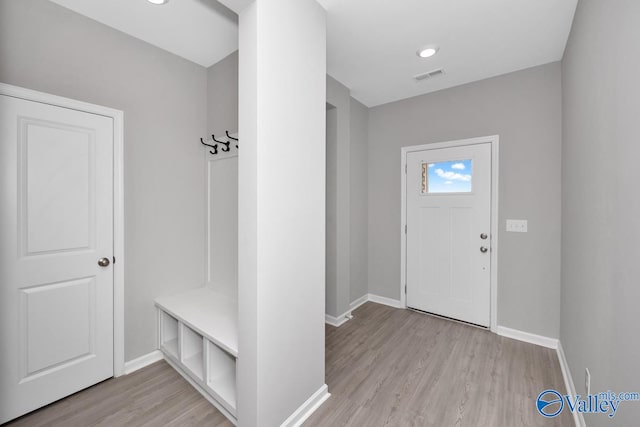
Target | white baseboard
(142,361)
(578,418)
(357,303)
(343,318)
(385,301)
(307,408)
(336,321)
(527,337)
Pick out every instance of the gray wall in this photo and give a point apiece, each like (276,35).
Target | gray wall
(524,108)
(331,231)
(359,200)
(338,293)
(222,96)
(222,115)
(346,199)
(601,208)
(51,49)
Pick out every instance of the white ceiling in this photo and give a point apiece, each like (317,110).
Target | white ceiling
(202,31)
(371,44)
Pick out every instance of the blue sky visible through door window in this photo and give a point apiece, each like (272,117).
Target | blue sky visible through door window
(449,177)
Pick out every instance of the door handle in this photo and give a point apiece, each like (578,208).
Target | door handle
(103,262)
(483,249)
(484,236)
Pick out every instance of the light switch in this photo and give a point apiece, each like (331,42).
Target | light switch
(517,225)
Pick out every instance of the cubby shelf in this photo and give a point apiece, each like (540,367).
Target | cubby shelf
(198,335)
(212,314)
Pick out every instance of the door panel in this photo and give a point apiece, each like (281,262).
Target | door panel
(47,309)
(53,157)
(448,208)
(56,221)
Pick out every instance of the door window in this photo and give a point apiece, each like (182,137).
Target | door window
(454,176)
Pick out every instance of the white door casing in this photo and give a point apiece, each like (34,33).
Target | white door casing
(445,269)
(57,220)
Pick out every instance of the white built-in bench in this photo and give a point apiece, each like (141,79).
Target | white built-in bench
(199,337)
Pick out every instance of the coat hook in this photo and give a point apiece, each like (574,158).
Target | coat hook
(225,143)
(229,136)
(215,147)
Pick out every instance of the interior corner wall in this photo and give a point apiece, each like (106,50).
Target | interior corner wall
(352,283)
(222,178)
(222,96)
(48,48)
(331,263)
(601,209)
(359,200)
(524,108)
(338,288)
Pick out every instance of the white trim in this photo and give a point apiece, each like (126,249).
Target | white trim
(494,140)
(386,301)
(345,317)
(515,334)
(578,418)
(118,201)
(357,303)
(142,361)
(336,321)
(307,408)
(200,390)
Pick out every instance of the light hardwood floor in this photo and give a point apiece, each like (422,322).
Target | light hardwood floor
(390,367)
(153,396)
(386,367)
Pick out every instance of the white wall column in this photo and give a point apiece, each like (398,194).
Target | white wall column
(281,208)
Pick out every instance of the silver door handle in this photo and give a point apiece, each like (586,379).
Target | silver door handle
(484,236)
(103,262)
(483,249)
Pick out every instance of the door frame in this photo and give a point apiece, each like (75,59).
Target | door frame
(494,141)
(118,201)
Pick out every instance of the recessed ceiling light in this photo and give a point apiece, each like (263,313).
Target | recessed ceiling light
(158,1)
(427,52)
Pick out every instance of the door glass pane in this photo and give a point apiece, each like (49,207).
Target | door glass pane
(453,176)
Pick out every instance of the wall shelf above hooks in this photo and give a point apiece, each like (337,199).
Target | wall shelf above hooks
(220,146)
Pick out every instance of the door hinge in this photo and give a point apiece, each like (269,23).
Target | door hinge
(405,288)
(405,168)
(114,259)
(405,229)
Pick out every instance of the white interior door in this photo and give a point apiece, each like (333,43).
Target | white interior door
(449,232)
(56,223)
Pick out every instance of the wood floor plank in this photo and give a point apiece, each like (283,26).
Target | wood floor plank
(387,367)
(154,396)
(391,367)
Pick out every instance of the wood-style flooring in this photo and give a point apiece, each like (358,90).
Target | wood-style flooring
(391,367)
(386,367)
(153,396)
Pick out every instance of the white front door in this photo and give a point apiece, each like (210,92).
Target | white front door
(449,232)
(56,223)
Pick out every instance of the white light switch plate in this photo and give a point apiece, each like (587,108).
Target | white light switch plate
(517,225)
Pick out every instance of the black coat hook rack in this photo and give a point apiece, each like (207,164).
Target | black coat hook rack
(224,145)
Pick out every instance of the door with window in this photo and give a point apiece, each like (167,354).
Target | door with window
(449,232)
(56,247)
